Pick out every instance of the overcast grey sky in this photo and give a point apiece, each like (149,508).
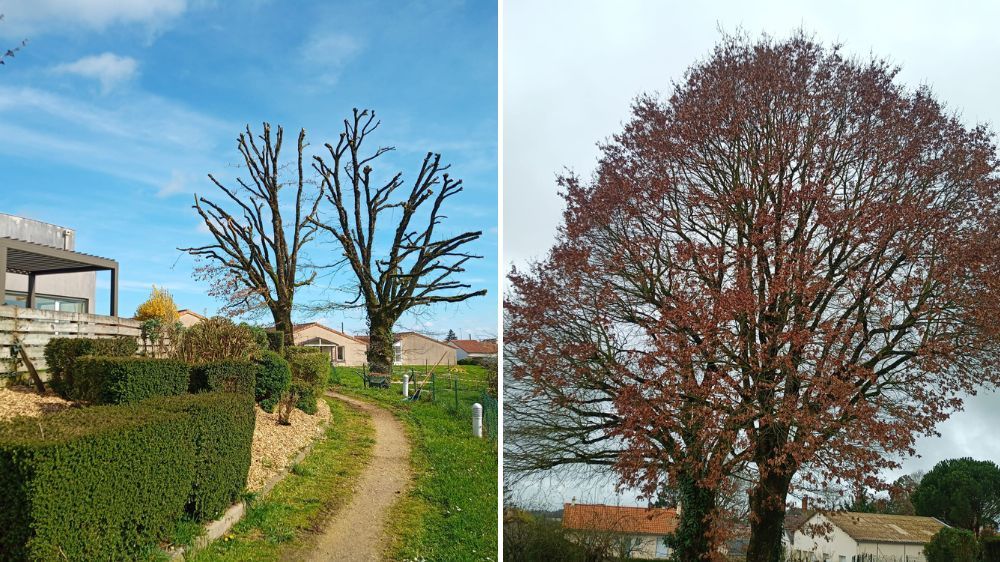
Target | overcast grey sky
(571,69)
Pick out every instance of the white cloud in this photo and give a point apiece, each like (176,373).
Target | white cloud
(39,16)
(107,68)
(140,138)
(179,182)
(329,52)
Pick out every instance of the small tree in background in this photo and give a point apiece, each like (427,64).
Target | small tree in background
(451,336)
(952,545)
(418,266)
(159,317)
(961,492)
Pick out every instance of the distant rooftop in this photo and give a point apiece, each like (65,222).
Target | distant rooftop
(619,519)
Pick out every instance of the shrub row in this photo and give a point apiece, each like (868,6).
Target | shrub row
(61,355)
(110,482)
(126,380)
(224,376)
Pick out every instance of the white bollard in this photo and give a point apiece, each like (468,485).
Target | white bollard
(406,386)
(477,420)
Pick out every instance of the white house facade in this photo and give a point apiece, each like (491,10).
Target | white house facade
(893,537)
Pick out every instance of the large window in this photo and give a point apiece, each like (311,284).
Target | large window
(46,302)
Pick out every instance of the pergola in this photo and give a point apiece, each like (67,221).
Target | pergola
(27,258)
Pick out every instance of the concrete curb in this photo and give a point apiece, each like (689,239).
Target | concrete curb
(216,529)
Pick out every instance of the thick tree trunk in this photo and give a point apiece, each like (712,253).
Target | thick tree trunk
(380,351)
(691,541)
(283,322)
(767,520)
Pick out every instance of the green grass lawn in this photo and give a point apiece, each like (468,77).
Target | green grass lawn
(451,513)
(280,526)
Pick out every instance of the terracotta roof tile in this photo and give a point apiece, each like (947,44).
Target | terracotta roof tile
(475,346)
(610,518)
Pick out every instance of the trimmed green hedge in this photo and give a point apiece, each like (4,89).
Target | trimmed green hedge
(99,483)
(313,367)
(228,375)
(61,355)
(223,425)
(126,380)
(307,396)
(273,377)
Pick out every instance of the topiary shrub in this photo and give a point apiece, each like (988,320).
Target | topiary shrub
(61,355)
(99,483)
(952,545)
(276,341)
(273,377)
(306,394)
(312,367)
(224,376)
(223,425)
(216,339)
(126,380)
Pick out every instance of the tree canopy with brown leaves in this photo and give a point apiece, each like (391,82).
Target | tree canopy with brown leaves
(791,262)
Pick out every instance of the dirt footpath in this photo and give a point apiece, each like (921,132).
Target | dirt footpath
(356,531)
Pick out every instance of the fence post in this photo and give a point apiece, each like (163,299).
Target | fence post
(455,380)
(477,419)
(406,386)
(433,387)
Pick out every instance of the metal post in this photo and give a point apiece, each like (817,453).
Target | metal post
(406,386)
(114,292)
(31,291)
(3,274)
(477,419)
(455,380)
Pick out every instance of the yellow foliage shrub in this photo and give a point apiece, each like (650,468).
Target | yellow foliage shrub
(159,306)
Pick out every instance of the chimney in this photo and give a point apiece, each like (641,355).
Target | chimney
(678,509)
(805,503)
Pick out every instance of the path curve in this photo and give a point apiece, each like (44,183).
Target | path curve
(356,532)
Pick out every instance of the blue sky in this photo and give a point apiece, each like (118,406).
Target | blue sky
(114,113)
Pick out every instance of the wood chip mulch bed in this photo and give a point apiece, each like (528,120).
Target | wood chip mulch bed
(24,401)
(274,445)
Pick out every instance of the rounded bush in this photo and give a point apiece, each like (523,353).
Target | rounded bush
(952,545)
(273,379)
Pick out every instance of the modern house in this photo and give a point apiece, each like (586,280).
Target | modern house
(343,349)
(895,537)
(629,532)
(474,348)
(40,269)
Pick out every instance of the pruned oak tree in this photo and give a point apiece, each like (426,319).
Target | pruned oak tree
(791,263)
(408,266)
(254,263)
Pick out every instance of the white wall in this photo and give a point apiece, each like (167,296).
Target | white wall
(825,547)
(913,552)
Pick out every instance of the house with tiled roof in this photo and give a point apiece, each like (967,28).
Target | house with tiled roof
(189,318)
(840,536)
(414,348)
(474,348)
(637,531)
(343,349)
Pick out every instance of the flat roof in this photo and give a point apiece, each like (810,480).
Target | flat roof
(28,257)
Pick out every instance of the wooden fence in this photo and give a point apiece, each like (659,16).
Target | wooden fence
(35,328)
